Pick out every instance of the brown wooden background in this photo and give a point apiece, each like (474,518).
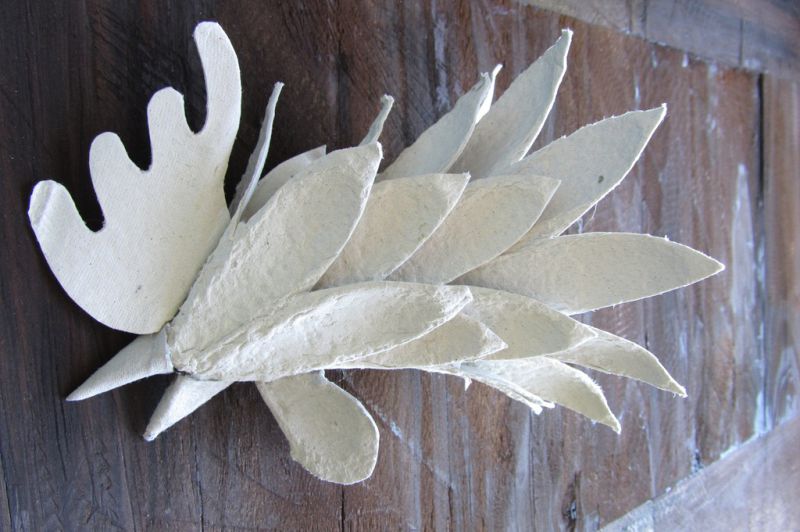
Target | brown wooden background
(721,175)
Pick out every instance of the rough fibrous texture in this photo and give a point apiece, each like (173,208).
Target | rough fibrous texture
(316,266)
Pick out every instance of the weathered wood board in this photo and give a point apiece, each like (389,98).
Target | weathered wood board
(736,493)
(755,34)
(720,175)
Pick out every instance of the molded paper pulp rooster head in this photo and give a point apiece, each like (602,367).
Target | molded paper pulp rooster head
(448,262)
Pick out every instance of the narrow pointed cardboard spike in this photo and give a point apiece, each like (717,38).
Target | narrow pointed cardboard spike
(277,177)
(181,398)
(460,339)
(552,381)
(145,356)
(121,275)
(285,248)
(400,215)
(438,147)
(529,328)
(579,273)
(611,354)
(509,129)
(255,165)
(330,432)
(491,215)
(590,163)
(376,128)
(322,329)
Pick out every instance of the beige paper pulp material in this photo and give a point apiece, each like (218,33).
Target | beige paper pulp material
(145,356)
(255,165)
(277,177)
(579,273)
(181,398)
(611,354)
(286,170)
(400,216)
(550,380)
(376,128)
(329,431)
(492,215)
(513,122)
(291,282)
(122,275)
(186,394)
(439,146)
(460,339)
(590,163)
(318,330)
(529,328)
(283,249)
(483,374)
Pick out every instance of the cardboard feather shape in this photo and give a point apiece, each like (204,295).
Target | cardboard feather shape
(317,266)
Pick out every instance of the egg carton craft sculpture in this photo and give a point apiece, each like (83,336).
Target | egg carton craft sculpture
(448,261)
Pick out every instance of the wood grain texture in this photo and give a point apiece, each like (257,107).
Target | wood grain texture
(755,34)
(449,458)
(750,488)
(781,101)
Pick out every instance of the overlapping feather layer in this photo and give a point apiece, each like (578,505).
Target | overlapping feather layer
(448,261)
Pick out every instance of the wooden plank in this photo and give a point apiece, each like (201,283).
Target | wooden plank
(770,35)
(706,192)
(707,28)
(5,502)
(757,35)
(622,15)
(449,457)
(697,179)
(752,488)
(782,276)
(556,470)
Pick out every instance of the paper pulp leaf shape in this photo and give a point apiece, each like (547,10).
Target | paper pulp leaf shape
(145,356)
(590,163)
(160,223)
(611,354)
(579,273)
(439,146)
(513,122)
(552,381)
(400,215)
(492,214)
(322,329)
(277,177)
(330,432)
(528,327)
(181,398)
(460,339)
(283,249)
